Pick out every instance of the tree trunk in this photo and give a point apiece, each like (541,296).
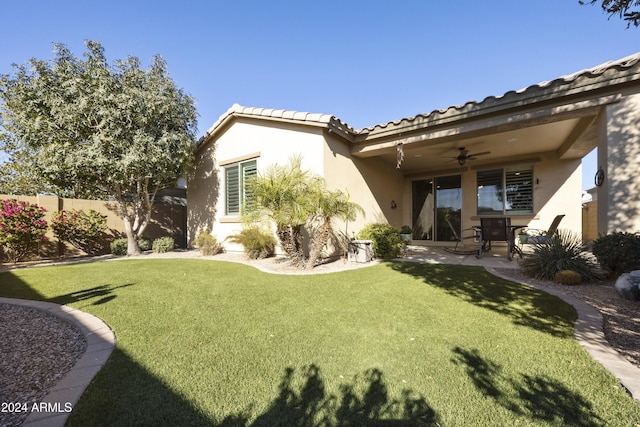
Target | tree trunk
(318,243)
(132,238)
(137,214)
(291,242)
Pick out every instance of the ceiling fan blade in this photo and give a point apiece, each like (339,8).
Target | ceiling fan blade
(479,154)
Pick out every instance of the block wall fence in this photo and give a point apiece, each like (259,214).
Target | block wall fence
(167,219)
(589,221)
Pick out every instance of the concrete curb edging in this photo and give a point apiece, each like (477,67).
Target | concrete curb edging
(100,344)
(589,333)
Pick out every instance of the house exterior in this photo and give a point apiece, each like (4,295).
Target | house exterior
(518,155)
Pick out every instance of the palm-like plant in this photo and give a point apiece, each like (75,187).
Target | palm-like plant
(284,195)
(329,205)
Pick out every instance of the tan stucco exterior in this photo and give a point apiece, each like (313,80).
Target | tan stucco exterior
(619,156)
(550,126)
(268,142)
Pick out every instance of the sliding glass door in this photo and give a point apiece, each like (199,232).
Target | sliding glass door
(422,209)
(436,208)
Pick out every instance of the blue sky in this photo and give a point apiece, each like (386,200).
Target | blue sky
(366,62)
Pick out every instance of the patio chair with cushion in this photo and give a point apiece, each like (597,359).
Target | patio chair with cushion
(541,236)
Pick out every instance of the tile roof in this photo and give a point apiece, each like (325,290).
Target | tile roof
(578,79)
(269,113)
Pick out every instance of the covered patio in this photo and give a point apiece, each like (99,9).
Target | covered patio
(517,156)
(496,258)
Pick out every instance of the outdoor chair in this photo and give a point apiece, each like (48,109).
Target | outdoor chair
(460,239)
(498,230)
(541,236)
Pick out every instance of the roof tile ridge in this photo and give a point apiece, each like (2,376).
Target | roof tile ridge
(620,64)
(300,116)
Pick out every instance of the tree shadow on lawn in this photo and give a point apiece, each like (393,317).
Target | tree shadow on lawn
(11,286)
(526,306)
(540,398)
(126,393)
(363,402)
(104,292)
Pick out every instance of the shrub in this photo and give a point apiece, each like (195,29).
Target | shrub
(208,244)
(618,253)
(562,251)
(386,241)
(81,229)
(144,244)
(119,247)
(257,242)
(163,244)
(22,226)
(568,277)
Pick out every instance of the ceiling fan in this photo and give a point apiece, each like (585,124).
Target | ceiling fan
(464,155)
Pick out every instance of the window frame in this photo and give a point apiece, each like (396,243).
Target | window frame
(505,181)
(243,170)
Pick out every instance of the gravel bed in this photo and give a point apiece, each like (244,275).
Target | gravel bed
(621,317)
(37,349)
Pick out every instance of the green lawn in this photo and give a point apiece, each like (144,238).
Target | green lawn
(397,344)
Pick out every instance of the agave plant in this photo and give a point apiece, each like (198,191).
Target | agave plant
(562,251)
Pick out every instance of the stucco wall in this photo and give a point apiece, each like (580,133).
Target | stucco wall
(619,156)
(371,183)
(269,142)
(558,191)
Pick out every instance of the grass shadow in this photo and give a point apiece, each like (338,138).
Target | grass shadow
(136,397)
(365,401)
(140,397)
(541,398)
(524,305)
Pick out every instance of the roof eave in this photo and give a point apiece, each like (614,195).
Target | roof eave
(329,122)
(607,77)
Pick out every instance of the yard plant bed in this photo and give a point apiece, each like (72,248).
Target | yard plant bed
(217,343)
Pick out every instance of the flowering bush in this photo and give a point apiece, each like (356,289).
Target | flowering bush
(22,226)
(81,229)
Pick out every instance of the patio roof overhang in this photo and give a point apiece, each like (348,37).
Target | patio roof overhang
(551,117)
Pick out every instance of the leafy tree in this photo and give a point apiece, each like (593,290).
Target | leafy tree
(622,8)
(17,177)
(98,130)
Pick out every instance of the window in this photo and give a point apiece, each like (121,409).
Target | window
(236,177)
(505,191)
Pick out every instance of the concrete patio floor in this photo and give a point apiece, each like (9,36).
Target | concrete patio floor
(497,257)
